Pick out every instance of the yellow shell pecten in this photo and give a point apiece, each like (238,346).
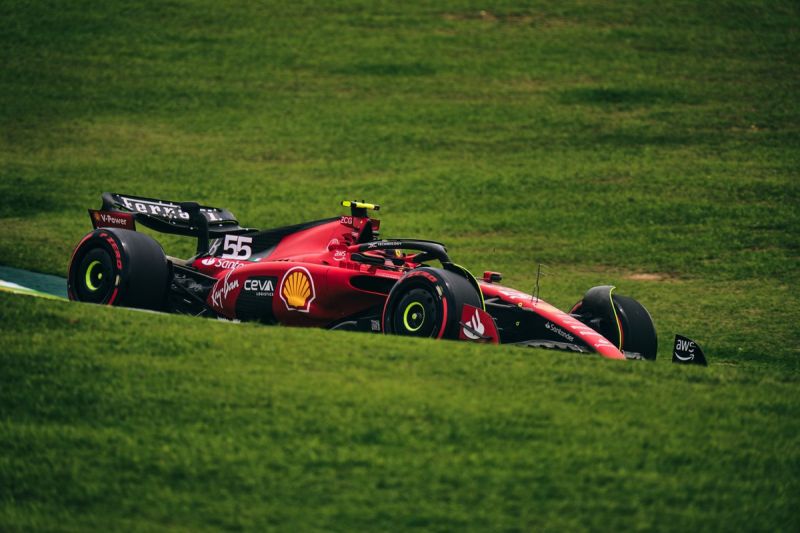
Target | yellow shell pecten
(297,289)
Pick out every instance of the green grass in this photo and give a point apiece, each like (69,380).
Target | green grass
(194,424)
(608,140)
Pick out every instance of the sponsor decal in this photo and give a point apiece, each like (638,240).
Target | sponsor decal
(260,286)
(512,294)
(214,246)
(216,262)
(375,325)
(223,287)
(255,300)
(602,342)
(688,352)
(297,289)
(384,244)
(222,263)
(587,334)
(476,326)
(427,275)
(106,219)
(113,244)
(162,209)
(339,255)
(333,243)
(237,247)
(686,347)
(555,329)
(347,221)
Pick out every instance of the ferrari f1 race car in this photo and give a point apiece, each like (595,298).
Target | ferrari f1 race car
(334,273)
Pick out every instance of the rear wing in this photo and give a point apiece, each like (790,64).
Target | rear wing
(169,217)
(178,218)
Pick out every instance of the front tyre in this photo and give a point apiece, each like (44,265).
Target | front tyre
(620,319)
(639,332)
(427,302)
(118,267)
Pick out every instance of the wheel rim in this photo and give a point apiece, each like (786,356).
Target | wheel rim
(94,276)
(414,316)
(94,279)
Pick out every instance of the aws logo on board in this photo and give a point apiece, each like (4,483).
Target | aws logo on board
(297,289)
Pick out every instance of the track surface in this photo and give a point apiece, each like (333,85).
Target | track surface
(34,283)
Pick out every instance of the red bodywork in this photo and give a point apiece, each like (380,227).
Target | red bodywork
(312,280)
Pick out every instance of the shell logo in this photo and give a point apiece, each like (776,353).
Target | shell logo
(297,289)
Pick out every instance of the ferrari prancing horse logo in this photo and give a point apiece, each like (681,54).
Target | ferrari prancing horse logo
(297,289)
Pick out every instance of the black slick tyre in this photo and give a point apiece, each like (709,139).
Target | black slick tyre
(639,332)
(620,319)
(427,302)
(119,267)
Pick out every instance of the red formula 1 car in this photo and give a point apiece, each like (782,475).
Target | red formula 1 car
(334,273)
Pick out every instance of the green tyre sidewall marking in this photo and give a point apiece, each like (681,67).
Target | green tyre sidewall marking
(408,309)
(88,279)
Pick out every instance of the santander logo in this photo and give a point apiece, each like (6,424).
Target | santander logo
(476,325)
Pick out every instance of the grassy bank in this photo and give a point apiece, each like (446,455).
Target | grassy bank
(120,418)
(649,146)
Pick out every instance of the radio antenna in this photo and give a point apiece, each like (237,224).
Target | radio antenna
(536,289)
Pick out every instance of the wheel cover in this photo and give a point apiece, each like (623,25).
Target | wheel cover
(416,313)
(94,278)
(93,272)
(414,316)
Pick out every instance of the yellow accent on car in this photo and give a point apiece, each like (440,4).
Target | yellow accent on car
(360,205)
(409,307)
(89,285)
(616,318)
(475,283)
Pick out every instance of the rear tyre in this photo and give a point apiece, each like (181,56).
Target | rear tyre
(119,267)
(427,302)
